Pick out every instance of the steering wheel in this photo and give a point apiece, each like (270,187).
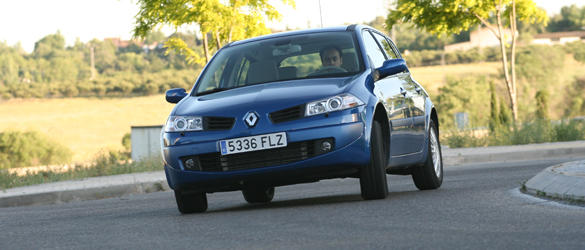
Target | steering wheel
(327,70)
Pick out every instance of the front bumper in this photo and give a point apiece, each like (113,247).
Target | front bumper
(349,154)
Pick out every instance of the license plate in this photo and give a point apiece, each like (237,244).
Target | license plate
(252,143)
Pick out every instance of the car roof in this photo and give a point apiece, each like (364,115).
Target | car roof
(290,33)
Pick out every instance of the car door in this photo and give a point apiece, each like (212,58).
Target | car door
(415,97)
(393,92)
(419,98)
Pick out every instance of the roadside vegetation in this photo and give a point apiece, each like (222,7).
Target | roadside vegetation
(21,149)
(110,162)
(546,114)
(106,164)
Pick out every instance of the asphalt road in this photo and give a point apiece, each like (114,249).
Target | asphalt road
(478,206)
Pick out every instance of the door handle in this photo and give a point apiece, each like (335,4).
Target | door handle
(402,91)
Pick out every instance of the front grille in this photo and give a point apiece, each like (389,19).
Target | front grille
(288,114)
(293,152)
(217,123)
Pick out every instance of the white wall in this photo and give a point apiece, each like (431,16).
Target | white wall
(145,142)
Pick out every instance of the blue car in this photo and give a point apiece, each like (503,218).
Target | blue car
(298,107)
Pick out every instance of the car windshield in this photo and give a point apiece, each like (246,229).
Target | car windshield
(317,55)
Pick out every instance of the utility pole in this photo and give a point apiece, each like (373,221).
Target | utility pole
(92,62)
(320,14)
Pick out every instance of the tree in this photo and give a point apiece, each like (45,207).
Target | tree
(454,16)
(234,20)
(408,37)
(541,104)
(505,116)
(571,18)
(104,55)
(49,46)
(154,37)
(494,122)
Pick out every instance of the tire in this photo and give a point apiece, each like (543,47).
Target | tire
(258,194)
(191,202)
(373,176)
(430,175)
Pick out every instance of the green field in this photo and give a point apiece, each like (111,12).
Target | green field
(85,125)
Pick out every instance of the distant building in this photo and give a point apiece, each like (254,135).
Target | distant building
(480,38)
(558,37)
(121,44)
(118,42)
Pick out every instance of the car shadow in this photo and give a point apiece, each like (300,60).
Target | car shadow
(307,202)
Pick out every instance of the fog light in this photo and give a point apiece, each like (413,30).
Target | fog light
(323,146)
(191,163)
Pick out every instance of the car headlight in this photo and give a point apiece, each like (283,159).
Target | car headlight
(184,123)
(334,103)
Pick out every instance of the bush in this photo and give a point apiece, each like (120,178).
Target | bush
(8,180)
(21,149)
(537,131)
(577,49)
(576,105)
(467,94)
(570,131)
(464,139)
(540,63)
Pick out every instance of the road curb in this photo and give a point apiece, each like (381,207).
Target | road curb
(565,181)
(458,156)
(86,189)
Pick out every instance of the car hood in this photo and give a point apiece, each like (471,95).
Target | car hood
(262,98)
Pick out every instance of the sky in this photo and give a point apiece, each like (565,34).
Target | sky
(27,21)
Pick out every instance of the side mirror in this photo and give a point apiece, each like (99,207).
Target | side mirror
(175,95)
(391,67)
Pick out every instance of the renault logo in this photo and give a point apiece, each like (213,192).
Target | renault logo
(251,118)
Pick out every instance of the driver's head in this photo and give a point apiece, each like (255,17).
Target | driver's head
(331,56)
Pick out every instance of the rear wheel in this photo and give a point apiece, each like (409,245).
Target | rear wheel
(430,175)
(373,176)
(187,203)
(258,194)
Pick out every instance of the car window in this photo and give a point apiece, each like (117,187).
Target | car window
(212,80)
(283,58)
(374,52)
(385,45)
(305,64)
(240,72)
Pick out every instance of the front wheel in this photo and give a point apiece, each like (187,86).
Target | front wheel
(430,175)
(187,203)
(258,194)
(373,176)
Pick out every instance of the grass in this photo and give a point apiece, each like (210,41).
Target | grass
(105,165)
(85,125)
(539,131)
(434,77)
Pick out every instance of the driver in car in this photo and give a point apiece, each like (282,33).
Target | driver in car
(331,56)
(331,61)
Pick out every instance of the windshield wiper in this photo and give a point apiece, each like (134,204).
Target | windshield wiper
(215,90)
